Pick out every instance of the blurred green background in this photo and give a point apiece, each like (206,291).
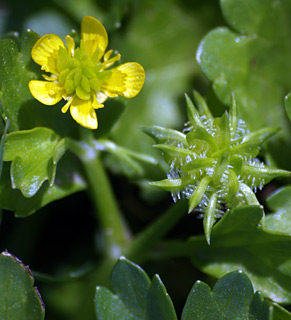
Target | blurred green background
(163,36)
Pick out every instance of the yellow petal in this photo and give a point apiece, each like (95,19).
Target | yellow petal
(96,104)
(48,93)
(94,36)
(45,52)
(101,97)
(125,80)
(83,112)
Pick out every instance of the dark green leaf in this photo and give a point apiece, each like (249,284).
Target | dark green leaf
(18,105)
(131,284)
(34,155)
(260,309)
(253,63)
(233,294)
(280,313)
(16,72)
(18,298)
(239,241)
(160,305)
(232,298)
(2,141)
(135,296)
(68,180)
(201,304)
(110,307)
(280,204)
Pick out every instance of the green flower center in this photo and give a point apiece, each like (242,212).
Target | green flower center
(80,74)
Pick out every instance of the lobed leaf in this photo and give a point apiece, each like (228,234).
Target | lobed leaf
(34,155)
(18,298)
(18,105)
(136,297)
(201,304)
(2,142)
(232,298)
(233,294)
(69,179)
(253,63)
(16,72)
(238,241)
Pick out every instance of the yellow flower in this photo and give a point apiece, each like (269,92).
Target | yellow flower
(80,76)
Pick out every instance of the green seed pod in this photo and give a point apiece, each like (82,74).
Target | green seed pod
(213,163)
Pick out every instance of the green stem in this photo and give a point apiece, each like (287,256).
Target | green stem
(114,231)
(140,246)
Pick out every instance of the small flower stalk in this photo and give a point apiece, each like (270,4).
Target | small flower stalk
(213,163)
(82,76)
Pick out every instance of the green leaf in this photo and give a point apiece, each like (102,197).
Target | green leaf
(69,179)
(280,313)
(159,303)
(232,298)
(201,304)
(260,308)
(234,293)
(110,306)
(18,298)
(131,284)
(280,204)
(18,105)
(34,155)
(253,62)
(16,72)
(136,297)
(239,241)
(2,142)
